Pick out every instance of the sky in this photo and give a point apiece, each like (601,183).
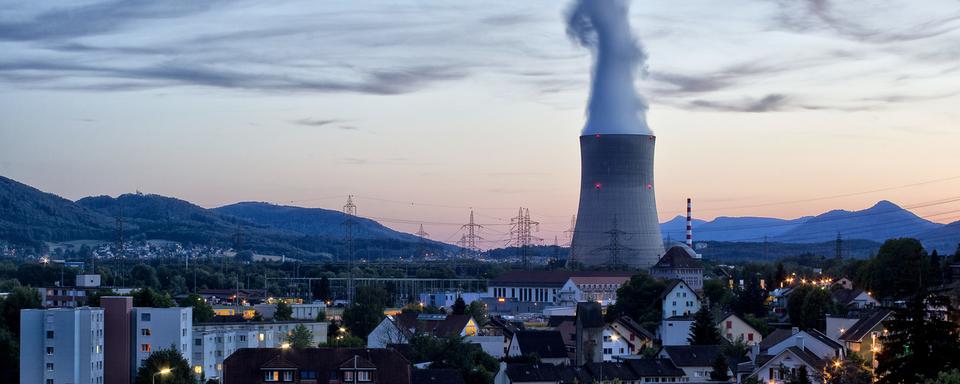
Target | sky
(423,110)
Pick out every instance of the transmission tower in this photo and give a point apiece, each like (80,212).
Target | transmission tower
(521,233)
(421,244)
(614,249)
(839,254)
(568,234)
(120,246)
(350,212)
(471,237)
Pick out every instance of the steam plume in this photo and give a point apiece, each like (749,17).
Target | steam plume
(604,27)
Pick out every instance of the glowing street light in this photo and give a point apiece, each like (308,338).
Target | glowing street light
(161,372)
(285,346)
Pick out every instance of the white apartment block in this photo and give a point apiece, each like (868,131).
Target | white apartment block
(61,346)
(161,328)
(212,342)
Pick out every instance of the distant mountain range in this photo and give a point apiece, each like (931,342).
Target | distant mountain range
(31,217)
(882,221)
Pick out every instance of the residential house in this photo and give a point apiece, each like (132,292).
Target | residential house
(398,329)
(630,371)
(61,345)
(863,338)
(696,361)
(854,299)
(548,345)
(733,328)
(214,342)
(815,341)
(680,263)
(437,376)
(675,330)
(778,368)
(679,299)
(556,287)
(636,337)
(317,365)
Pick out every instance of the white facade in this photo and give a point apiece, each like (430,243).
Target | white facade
(88,281)
(448,298)
(161,328)
(62,345)
(778,369)
(213,343)
(675,331)
(734,328)
(614,345)
(525,294)
(308,311)
(680,301)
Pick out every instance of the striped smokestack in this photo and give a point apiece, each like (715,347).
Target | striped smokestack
(689,224)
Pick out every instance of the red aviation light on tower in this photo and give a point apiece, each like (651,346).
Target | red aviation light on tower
(649,186)
(597,135)
(597,185)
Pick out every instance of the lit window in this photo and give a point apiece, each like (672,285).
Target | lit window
(144,347)
(271,376)
(49,350)
(363,376)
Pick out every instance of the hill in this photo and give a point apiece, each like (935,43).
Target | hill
(945,239)
(31,216)
(309,221)
(882,221)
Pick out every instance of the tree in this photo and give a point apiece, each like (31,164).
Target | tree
(459,306)
(720,368)
(920,341)
(780,275)
(853,370)
(946,377)
(817,303)
(760,325)
(147,297)
(936,269)
(366,310)
(717,293)
(9,356)
(300,337)
(751,299)
(344,341)
(180,372)
(478,311)
(321,316)
(21,298)
(639,299)
(704,330)
(202,312)
(284,311)
(801,377)
(898,268)
(144,276)
(476,365)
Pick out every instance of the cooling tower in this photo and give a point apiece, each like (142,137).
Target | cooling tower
(617,222)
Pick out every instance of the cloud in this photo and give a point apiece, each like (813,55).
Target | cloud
(769,103)
(96,18)
(315,122)
(809,15)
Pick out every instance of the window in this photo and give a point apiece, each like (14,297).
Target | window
(145,332)
(144,317)
(49,334)
(750,336)
(144,347)
(49,350)
(49,381)
(198,342)
(729,324)
(308,375)
(348,376)
(363,376)
(49,366)
(271,376)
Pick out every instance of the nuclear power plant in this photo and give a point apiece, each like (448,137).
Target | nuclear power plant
(617,223)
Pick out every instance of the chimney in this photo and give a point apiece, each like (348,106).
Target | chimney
(754,352)
(799,341)
(794,330)
(689,224)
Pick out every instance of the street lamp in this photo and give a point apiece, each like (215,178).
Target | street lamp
(163,371)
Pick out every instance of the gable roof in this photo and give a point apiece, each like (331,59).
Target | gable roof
(693,355)
(518,372)
(631,325)
(654,367)
(678,256)
(546,344)
(436,376)
(734,315)
(244,365)
(845,296)
(672,285)
(437,325)
(555,321)
(781,334)
(863,326)
(805,355)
